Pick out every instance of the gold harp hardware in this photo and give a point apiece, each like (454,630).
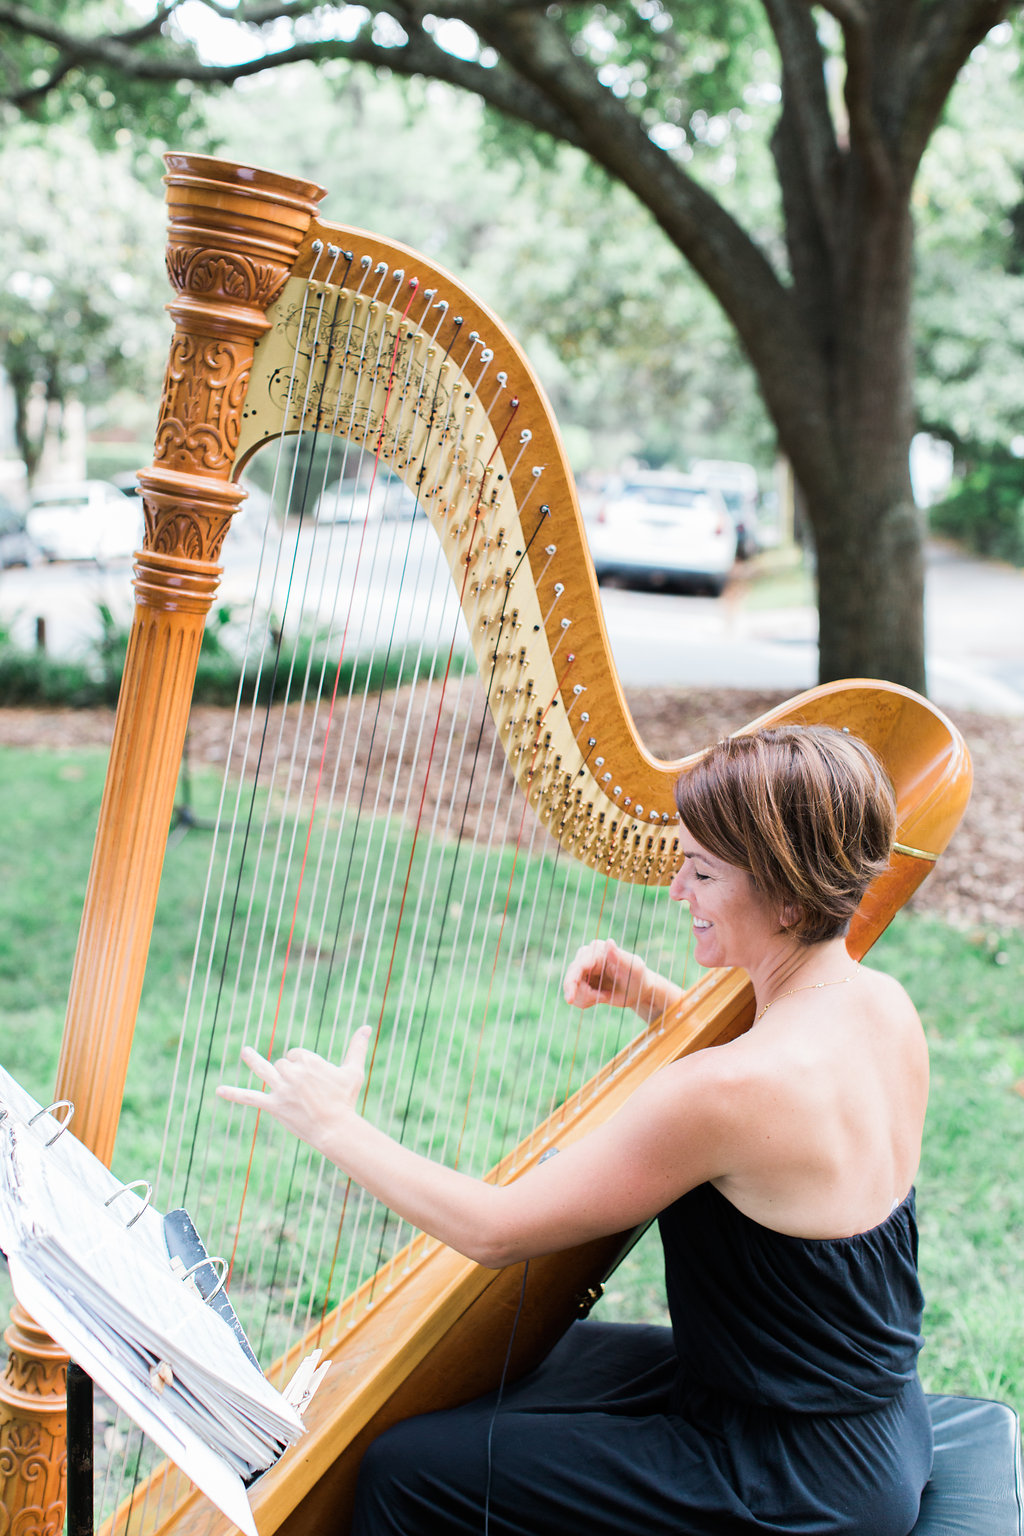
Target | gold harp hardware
(329,347)
(914,853)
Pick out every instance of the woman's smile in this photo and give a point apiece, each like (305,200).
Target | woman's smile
(732,922)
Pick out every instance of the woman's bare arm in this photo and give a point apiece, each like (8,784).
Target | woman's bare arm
(666,1138)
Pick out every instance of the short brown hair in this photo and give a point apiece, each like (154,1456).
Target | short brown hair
(806,810)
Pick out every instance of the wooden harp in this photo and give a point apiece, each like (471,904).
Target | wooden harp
(371,374)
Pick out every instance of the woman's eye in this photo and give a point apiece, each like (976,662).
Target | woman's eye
(698,876)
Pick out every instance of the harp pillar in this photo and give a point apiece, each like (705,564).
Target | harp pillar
(33,1425)
(233,240)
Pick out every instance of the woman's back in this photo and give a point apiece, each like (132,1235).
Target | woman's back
(830,1090)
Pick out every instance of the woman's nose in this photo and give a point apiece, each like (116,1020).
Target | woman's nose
(677,890)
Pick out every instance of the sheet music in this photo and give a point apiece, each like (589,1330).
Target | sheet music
(106,1291)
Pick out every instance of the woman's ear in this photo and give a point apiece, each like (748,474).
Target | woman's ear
(791,915)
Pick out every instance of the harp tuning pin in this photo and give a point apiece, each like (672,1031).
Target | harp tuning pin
(578,688)
(559,588)
(365,263)
(381,266)
(474,336)
(487,355)
(591,741)
(318,246)
(502,377)
(526,436)
(549,549)
(566,623)
(605,778)
(598,762)
(399,274)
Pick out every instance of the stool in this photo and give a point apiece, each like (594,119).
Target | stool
(975,1488)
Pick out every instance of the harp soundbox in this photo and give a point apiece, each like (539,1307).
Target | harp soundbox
(424,854)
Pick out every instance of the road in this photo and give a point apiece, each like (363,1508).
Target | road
(975,627)
(974,637)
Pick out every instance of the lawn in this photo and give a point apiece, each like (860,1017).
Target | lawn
(970,1192)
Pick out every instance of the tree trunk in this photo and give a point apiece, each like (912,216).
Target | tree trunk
(851,450)
(870,574)
(29,446)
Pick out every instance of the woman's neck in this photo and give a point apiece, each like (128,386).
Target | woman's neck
(793,967)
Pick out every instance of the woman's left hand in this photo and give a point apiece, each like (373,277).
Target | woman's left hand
(302,1090)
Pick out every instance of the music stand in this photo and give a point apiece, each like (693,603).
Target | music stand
(80,1439)
(183,817)
(117,1286)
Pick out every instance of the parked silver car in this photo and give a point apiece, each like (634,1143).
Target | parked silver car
(85,520)
(666,529)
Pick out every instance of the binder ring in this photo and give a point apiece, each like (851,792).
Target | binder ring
(58,1104)
(210,1259)
(135,1184)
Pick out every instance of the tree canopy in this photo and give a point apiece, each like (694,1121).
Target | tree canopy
(81,301)
(776,144)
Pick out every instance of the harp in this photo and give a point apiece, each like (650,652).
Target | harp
(495,791)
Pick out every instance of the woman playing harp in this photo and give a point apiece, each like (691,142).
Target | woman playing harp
(780,1166)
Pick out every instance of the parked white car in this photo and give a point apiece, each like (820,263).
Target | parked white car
(666,529)
(16,547)
(738,486)
(368,500)
(85,520)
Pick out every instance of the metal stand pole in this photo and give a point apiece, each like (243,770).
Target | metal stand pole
(80,1449)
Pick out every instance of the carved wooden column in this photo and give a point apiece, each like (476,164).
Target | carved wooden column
(234,236)
(33,1420)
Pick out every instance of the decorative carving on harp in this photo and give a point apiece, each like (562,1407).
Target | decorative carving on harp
(429,901)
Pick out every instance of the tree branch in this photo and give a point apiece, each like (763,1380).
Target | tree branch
(420,55)
(947,33)
(805,96)
(720,251)
(859,92)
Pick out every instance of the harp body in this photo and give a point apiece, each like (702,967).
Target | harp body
(286,329)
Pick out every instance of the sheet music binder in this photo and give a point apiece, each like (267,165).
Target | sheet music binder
(135,1299)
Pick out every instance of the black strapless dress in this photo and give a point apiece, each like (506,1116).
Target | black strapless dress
(783,1399)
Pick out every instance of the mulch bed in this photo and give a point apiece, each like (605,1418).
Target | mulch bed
(979,881)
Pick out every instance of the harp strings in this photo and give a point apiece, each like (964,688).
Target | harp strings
(318,777)
(343,875)
(483,867)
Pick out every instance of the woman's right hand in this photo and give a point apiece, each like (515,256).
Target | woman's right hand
(601,972)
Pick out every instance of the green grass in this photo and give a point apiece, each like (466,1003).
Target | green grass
(970,1191)
(778,578)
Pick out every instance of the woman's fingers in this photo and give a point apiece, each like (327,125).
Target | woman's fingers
(298,1073)
(252,1097)
(590,973)
(355,1056)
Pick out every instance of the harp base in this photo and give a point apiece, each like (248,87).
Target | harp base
(33,1430)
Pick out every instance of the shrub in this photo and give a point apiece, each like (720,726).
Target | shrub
(985,510)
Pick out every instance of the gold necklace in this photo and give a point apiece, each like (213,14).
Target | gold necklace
(811,986)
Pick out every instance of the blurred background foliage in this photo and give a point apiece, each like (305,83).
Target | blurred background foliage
(572,262)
